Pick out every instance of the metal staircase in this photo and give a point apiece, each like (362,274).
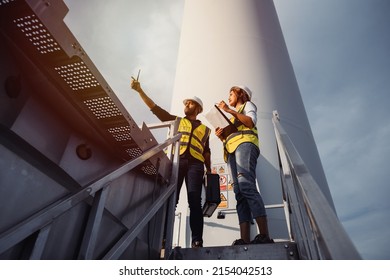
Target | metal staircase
(80,180)
(315,231)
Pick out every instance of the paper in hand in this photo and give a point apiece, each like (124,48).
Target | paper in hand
(219,120)
(216,118)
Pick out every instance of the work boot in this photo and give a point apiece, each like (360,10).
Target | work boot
(239,242)
(261,239)
(197,244)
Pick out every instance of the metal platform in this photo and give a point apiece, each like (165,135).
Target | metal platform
(275,251)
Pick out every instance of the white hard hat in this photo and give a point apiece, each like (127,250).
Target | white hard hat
(247,90)
(197,100)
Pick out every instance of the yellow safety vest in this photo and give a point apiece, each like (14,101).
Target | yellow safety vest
(244,134)
(198,138)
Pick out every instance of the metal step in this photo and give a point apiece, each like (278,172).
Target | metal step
(274,251)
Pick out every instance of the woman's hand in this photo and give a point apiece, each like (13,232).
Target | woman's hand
(223,106)
(219,132)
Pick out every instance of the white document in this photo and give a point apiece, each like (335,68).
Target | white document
(216,118)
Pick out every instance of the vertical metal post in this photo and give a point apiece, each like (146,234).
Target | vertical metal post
(40,243)
(172,202)
(92,229)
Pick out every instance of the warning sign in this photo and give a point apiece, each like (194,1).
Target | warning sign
(221,169)
(230,186)
(223,182)
(224,202)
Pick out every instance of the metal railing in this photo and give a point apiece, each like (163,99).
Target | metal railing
(42,221)
(313,223)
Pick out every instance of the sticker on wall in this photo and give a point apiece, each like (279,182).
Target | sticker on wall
(224,202)
(223,182)
(230,185)
(222,169)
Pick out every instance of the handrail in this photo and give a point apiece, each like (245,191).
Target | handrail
(315,227)
(118,249)
(44,217)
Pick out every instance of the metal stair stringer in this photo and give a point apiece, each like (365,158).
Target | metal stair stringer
(272,251)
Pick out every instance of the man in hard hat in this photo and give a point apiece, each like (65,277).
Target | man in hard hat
(194,155)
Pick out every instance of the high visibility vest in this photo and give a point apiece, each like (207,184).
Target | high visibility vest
(244,134)
(195,141)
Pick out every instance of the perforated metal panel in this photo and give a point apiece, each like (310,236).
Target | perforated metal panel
(37,34)
(102,107)
(4,2)
(77,76)
(134,152)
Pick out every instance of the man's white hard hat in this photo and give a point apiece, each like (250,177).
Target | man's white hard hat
(197,100)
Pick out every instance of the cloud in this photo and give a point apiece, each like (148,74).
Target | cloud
(340,54)
(124,36)
(364,229)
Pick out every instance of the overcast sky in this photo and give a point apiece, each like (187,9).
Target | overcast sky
(340,51)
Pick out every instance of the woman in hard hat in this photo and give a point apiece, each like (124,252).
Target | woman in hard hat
(241,152)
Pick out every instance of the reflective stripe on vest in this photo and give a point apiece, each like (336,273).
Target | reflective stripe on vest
(244,134)
(198,138)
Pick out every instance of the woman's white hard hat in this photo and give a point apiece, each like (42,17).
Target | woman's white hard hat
(247,90)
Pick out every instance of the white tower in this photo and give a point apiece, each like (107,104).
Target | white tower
(240,42)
